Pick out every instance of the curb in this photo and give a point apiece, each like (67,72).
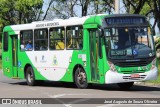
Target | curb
(147,84)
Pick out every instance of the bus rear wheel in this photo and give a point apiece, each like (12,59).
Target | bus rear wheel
(30,77)
(80,78)
(126,85)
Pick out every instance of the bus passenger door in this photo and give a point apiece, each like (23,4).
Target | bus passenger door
(94,55)
(14,55)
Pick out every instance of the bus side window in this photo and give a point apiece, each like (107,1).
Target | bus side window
(41,39)
(57,38)
(26,40)
(74,37)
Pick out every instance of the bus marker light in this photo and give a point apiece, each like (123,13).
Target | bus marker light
(112,67)
(7,70)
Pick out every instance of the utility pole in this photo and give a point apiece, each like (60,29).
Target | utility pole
(116,6)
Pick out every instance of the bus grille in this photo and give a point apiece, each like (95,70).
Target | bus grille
(132,64)
(141,77)
(131,72)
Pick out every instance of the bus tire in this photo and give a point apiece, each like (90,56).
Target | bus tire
(126,85)
(30,77)
(80,78)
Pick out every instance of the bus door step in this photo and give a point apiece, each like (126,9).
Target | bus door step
(15,78)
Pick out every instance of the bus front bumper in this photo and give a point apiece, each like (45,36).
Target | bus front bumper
(115,77)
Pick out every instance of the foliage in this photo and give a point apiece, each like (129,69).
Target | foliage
(0,45)
(19,11)
(157,81)
(157,43)
(73,8)
(0,63)
(149,8)
(24,11)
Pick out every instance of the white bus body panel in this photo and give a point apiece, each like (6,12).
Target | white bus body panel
(115,77)
(51,64)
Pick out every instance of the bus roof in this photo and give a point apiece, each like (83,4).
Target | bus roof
(62,22)
(54,23)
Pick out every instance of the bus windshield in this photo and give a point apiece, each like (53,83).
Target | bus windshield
(129,43)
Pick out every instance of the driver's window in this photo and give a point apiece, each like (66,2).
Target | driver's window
(114,38)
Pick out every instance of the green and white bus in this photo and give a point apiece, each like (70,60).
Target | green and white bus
(100,49)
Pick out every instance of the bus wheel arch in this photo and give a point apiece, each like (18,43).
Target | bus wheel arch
(29,75)
(25,68)
(80,76)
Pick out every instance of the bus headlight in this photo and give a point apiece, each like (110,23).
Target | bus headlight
(112,67)
(153,64)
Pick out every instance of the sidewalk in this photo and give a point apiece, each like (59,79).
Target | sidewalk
(147,84)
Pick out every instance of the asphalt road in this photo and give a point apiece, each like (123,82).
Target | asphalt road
(11,88)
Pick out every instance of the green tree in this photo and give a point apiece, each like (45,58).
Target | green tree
(149,8)
(62,9)
(19,11)
(135,6)
(72,8)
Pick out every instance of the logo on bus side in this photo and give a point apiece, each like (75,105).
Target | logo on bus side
(43,59)
(55,62)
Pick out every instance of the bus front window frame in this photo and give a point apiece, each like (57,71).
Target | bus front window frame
(114,48)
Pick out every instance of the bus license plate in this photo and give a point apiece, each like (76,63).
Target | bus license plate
(135,76)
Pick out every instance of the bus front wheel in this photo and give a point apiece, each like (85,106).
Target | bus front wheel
(80,78)
(30,78)
(126,85)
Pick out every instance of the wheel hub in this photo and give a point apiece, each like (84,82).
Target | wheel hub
(81,77)
(30,77)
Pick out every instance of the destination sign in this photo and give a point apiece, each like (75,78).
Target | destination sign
(47,24)
(118,52)
(125,20)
